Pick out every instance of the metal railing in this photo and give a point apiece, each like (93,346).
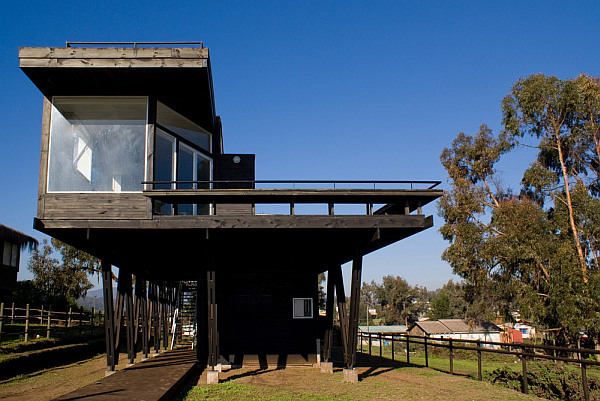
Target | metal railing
(335,184)
(135,44)
(523,351)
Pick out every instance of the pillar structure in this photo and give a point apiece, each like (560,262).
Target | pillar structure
(109,328)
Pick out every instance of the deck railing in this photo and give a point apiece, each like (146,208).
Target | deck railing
(306,184)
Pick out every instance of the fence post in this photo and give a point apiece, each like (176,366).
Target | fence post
(42,315)
(407,349)
(426,353)
(49,320)
(451,356)
(1,318)
(524,362)
(80,318)
(92,322)
(12,313)
(392,347)
(479,373)
(360,337)
(370,343)
(584,382)
(27,323)
(380,345)
(69,318)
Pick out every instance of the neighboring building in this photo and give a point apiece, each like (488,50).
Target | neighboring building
(11,244)
(457,329)
(133,171)
(386,332)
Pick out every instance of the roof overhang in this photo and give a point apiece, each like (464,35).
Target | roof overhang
(179,77)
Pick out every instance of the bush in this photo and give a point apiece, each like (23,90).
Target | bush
(548,380)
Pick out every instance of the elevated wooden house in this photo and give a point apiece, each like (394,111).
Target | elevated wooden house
(133,171)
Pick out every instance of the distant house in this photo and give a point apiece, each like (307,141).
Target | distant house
(385,331)
(457,329)
(11,244)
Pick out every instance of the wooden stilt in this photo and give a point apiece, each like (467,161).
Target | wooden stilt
(336,273)
(213,340)
(329,319)
(354,303)
(129,308)
(108,314)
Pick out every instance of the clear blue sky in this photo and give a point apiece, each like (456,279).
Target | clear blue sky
(318,89)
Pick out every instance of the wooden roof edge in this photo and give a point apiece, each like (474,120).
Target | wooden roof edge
(17,237)
(113,52)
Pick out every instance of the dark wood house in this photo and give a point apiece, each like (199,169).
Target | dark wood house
(133,171)
(11,244)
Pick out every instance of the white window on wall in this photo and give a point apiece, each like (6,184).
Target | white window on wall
(303,308)
(97,144)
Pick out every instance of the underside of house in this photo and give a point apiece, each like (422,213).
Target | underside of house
(133,171)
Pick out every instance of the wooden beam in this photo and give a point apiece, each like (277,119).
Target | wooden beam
(336,273)
(243,222)
(112,52)
(328,343)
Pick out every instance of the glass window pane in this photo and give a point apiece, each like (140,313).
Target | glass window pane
(6,253)
(181,126)
(185,172)
(14,257)
(203,173)
(164,152)
(97,144)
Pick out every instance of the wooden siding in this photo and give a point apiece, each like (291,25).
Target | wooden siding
(255,314)
(94,206)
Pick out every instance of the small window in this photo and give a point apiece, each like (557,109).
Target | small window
(303,308)
(10,255)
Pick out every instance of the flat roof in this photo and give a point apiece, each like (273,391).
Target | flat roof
(180,77)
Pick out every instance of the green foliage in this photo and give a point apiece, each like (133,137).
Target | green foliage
(547,380)
(536,251)
(396,301)
(449,303)
(62,280)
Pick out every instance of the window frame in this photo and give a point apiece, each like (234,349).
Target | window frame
(146,134)
(294,316)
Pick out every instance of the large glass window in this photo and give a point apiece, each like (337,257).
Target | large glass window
(97,144)
(10,254)
(183,127)
(176,161)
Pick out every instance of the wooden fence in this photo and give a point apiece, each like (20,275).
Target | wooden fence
(27,323)
(521,350)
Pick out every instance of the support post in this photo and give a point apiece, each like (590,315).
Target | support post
(407,349)
(48,323)
(336,273)
(451,356)
(213,340)
(524,363)
(1,318)
(393,341)
(329,319)
(141,316)
(27,323)
(354,304)
(426,352)
(584,381)
(108,314)
(125,277)
(479,370)
(380,345)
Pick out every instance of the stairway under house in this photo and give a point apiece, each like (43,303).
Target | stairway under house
(133,171)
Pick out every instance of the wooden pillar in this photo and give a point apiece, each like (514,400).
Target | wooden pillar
(336,275)
(119,307)
(127,284)
(155,313)
(141,306)
(109,328)
(213,334)
(201,320)
(354,303)
(329,319)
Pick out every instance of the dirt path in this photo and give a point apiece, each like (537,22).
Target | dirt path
(53,382)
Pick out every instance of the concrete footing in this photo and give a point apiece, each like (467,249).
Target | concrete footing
(351,375)
(327,367)
(212,377)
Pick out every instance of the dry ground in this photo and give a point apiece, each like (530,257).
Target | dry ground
(53,382)
(388,383)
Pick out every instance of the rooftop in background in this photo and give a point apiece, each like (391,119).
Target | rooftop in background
(16,237)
